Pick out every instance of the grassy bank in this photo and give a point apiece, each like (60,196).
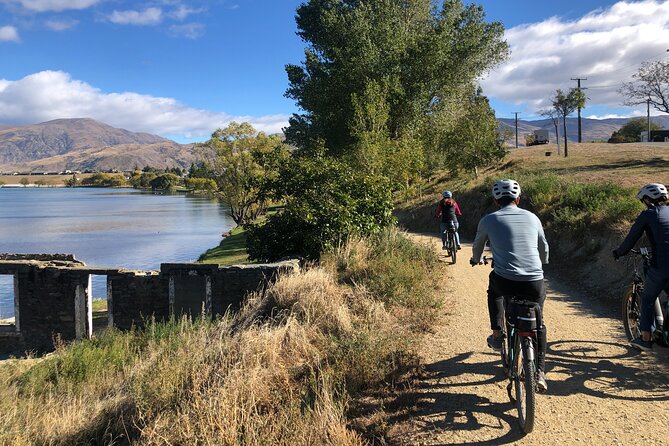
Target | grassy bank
(231,250)
(282,371)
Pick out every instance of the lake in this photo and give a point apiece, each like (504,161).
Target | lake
(107,228)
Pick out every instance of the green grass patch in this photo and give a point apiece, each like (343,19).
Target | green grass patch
(231,250)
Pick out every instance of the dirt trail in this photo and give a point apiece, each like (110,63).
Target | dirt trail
(600,390)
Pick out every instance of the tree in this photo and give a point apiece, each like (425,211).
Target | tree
(566,104)
(554,116)
(409,56)
(327,201)
(475,141)
(631,130)
(243,163)
(24,182)
(650,85)
(166,181)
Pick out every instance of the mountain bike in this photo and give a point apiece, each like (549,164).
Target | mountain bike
(519,355)
(631,302)
(451,246)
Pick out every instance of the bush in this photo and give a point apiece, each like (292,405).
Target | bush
(103,180)
(326,202)
(166,181)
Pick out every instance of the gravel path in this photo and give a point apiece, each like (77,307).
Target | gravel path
(600,390)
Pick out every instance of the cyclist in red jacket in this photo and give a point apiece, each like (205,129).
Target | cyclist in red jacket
(448,210)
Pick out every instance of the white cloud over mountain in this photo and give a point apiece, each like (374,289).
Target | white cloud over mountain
(51,95)
(9,34)
(605,46)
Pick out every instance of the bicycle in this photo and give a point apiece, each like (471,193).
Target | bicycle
(522,318)
(631,302)
(451,245)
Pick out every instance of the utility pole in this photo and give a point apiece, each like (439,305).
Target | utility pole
(648,117)
(516,113)
(579,79)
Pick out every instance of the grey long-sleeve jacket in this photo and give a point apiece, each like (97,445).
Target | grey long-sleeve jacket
(517,241)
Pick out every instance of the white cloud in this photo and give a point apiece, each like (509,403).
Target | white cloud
(52,5)
(51,95)
(61,25)
(150,16)
(188,30)
(605,46)
(9,34)
(182,12)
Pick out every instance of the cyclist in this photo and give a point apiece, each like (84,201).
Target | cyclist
(519,247)
(654,221)
(448,210)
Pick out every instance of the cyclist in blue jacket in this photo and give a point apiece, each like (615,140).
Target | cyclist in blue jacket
(654,222)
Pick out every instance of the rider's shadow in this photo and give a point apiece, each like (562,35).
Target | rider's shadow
(455,411)
(590,370)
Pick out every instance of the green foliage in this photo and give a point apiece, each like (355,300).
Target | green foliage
(103,180)
(201,184)
(566,104)
(631,130)
(378,71)
(569,206)
(166,181)
(474,141)
(142,180)
(326,202)
(245,161)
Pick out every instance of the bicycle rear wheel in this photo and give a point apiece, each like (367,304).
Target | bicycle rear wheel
(452,249)
(631,306)
(525,384)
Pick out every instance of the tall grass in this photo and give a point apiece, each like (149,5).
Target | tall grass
(282,371)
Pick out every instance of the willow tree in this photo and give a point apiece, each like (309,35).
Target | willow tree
(408,57)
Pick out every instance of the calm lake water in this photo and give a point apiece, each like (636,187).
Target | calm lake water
(107,228)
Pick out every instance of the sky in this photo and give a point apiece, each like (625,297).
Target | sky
(182,68)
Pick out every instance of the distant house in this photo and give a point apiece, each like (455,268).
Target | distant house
(655,136)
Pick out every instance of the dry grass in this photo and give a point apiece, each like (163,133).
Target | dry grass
(281,372)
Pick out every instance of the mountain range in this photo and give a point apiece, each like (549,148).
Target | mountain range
(80,144)
(86,144)
(592,130)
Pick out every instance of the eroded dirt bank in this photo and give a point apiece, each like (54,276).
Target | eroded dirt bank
(600,390)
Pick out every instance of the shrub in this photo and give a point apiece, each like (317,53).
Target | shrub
(326,202)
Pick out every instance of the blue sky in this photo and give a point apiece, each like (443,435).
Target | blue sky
(181,68)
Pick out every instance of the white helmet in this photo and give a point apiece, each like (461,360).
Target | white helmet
(506,188)
(653,191)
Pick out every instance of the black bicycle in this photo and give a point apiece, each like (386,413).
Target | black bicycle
(451,246)
(519,355)
(631,302)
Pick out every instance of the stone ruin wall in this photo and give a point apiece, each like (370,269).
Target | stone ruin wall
(52,295)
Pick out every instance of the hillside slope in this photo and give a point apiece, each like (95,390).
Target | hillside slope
(86,144)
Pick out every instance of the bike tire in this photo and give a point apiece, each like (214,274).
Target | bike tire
(526,385)
(631,311)
(452,248)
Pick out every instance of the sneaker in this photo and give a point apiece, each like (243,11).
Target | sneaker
(542,385)
(495,343)
(640,344)
(459,247)
(443,247)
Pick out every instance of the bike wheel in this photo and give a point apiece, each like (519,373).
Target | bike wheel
(525,384)
(632,311)
(453,249)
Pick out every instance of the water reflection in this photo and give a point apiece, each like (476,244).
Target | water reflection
(108,227)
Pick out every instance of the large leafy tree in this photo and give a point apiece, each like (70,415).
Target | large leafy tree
(406,59)
(631,130)
(565,104)
(474,140)
(650,84)
(244,160)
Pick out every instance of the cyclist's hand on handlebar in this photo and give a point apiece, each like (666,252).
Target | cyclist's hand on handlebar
(473,262)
